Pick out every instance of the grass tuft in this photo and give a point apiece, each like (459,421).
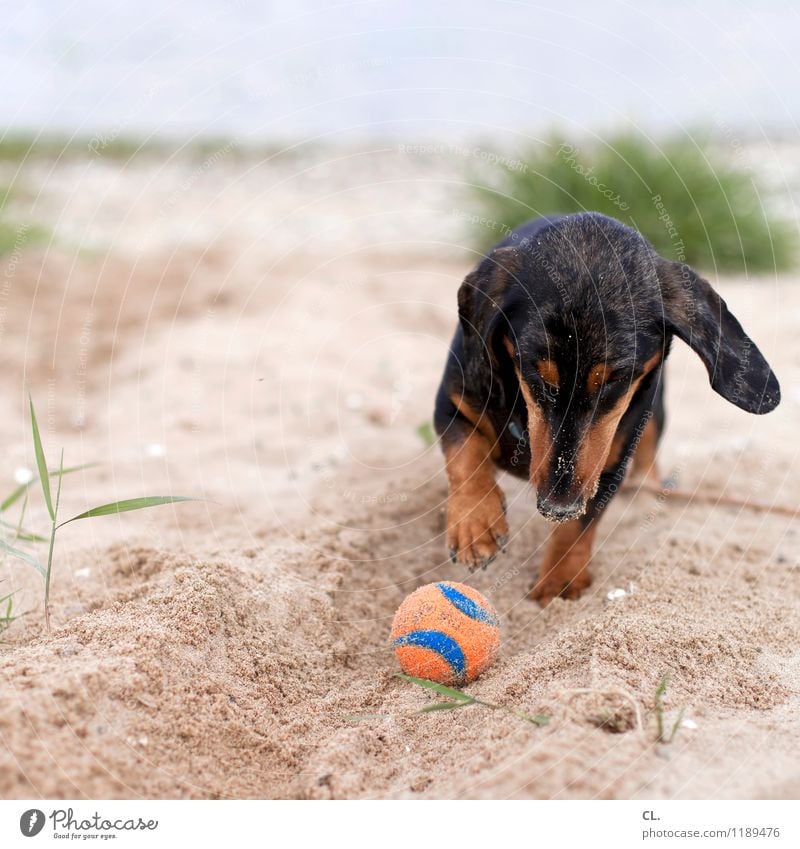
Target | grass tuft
(6,612)
(662,736)
(459,699)
(688,198)
(426,433)
(22,492)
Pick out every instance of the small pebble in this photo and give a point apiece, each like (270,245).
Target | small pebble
(690,724)
(618,593)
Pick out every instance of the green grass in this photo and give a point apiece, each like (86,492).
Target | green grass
(16,235)
(458,699)
(694,204)
(20,147)
(10,545)
(6,612)
(662,735)
(426,433)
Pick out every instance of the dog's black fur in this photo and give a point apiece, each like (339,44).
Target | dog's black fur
(577,313)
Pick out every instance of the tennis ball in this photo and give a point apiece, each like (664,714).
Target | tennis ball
(446,632)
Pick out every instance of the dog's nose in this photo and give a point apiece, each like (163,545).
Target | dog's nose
(556,511)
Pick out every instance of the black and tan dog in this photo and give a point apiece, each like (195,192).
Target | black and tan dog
(555,374)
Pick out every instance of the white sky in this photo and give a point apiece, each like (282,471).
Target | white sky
(403,69)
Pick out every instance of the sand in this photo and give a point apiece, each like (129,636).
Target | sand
(269,337)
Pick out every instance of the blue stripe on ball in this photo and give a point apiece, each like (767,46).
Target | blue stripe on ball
(436,641)
(466,605)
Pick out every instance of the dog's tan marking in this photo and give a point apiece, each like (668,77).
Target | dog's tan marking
(540,438)
(565,569)
(614,453)
(644,460)
(548,371)
(476,523)
(478,420)
(597,444)
(598,375)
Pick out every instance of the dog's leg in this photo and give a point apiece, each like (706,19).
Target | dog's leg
(644,467)
(565,568)
(476,522)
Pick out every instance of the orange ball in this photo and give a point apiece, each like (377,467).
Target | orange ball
(446,632)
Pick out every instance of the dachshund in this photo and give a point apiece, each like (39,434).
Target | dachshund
(555,374)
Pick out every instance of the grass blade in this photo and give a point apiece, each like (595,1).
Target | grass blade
(53,528)
(15,496)
(41,463)
(446,706)
(21,533)
(23,488)
(127,505)
(659,703)
(7,618)
(537,719)
(23,555)
(438,688)
(426,433)
(677,725)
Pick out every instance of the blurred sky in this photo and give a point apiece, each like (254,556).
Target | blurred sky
(442,68)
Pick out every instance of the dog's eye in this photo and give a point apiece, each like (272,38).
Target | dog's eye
(615,382)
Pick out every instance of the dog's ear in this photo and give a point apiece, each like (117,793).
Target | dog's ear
(483,296)
(698,315)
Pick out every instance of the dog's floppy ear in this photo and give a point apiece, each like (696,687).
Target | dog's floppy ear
(698,315)
(482,296)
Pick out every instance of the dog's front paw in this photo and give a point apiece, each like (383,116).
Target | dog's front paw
(565,569)
(562,583)
(476,527)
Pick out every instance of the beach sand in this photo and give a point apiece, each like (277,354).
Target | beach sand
(269,337)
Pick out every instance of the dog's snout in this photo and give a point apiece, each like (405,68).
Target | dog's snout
(558,511)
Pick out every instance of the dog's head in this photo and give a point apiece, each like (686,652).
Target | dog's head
(582,315)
